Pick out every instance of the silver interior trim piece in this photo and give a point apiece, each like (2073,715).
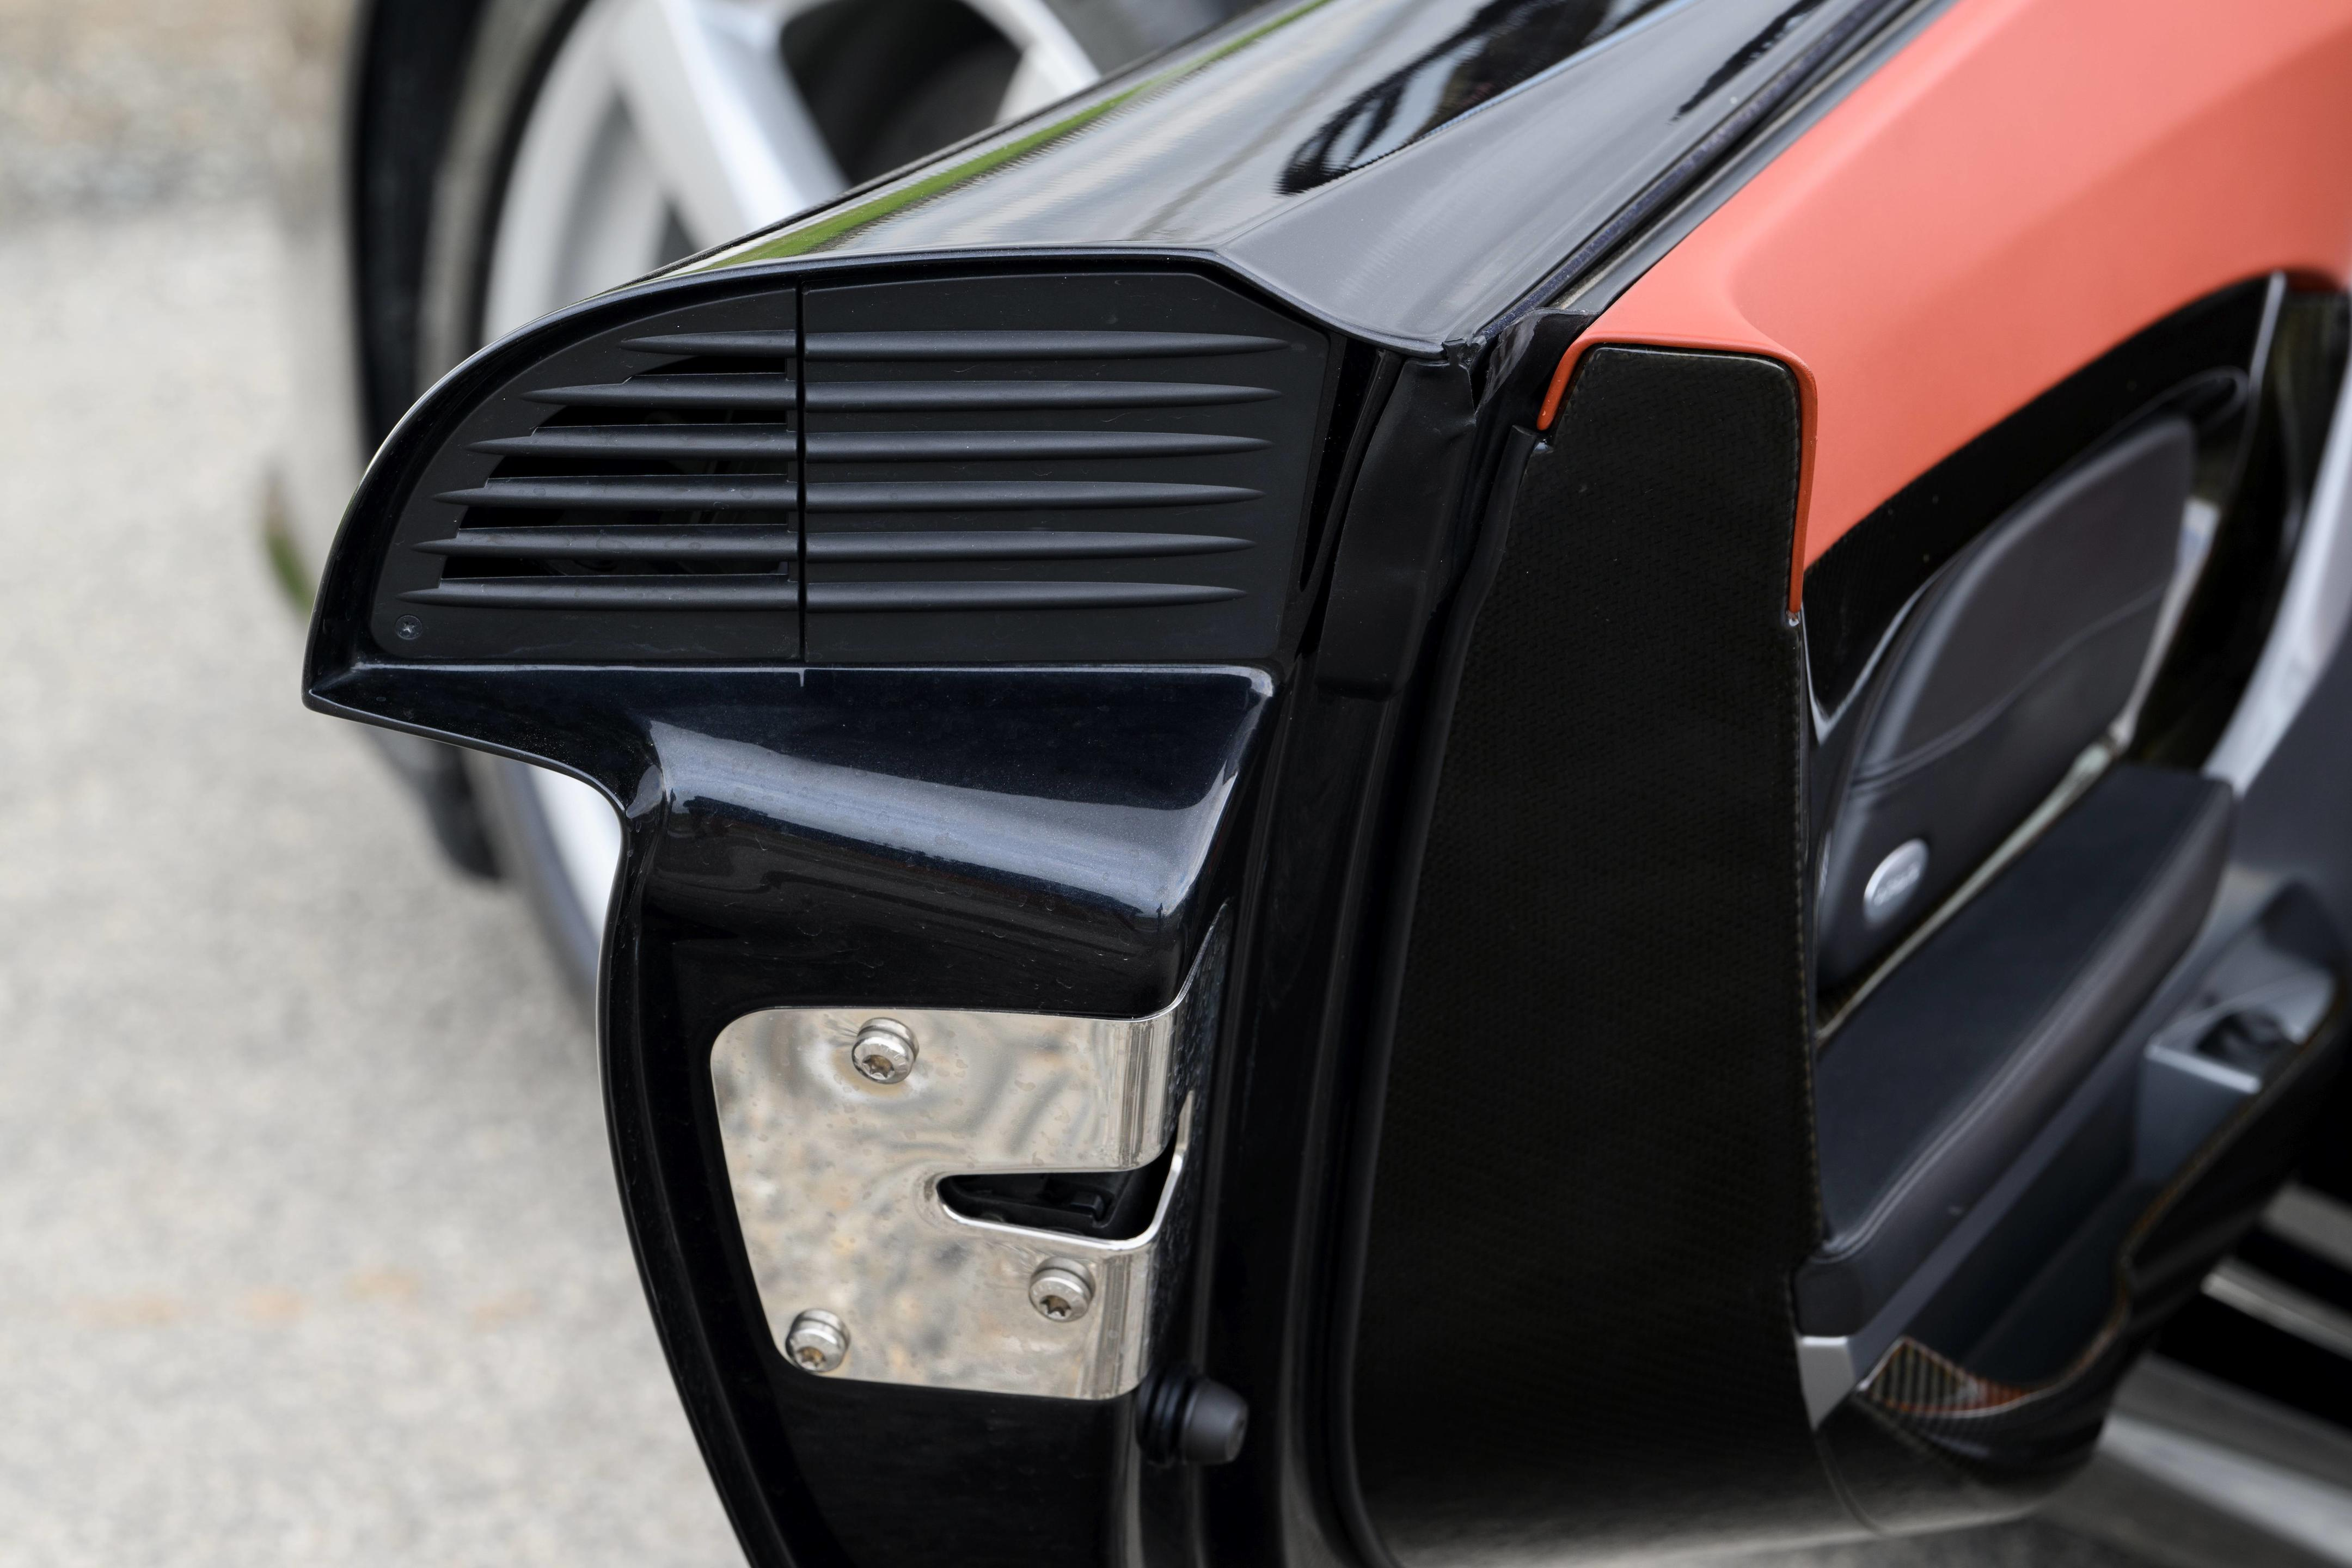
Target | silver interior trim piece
(1825,1369)
(835,1178)
(2311,617)
(2293,1508)
(2313,1221)
(2283,1307)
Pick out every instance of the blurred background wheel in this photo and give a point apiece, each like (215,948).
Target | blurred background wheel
(596,139)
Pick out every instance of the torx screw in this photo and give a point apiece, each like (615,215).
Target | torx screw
(883,1051)
(1062,1290)
(818,1341)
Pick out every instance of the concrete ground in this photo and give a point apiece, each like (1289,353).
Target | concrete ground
(308,1247)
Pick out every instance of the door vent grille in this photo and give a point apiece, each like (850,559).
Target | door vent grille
(1091,468)
(669,490)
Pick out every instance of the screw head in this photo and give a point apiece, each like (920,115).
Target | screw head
(1062,1290)
(818,1341)
(884,1050)
(409,627)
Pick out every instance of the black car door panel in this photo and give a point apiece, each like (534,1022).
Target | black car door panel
(1237,942)
(1572,830)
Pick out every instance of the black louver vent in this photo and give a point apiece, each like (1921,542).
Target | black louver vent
(1090,467)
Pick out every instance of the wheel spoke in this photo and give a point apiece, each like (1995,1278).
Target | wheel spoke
(707,90)
(1051,65)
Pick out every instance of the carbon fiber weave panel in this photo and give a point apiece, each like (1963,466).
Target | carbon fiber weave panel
(1594,1173)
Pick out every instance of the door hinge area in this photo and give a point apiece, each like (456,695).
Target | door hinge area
(969,1200)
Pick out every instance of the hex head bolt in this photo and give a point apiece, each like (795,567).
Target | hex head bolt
(884,1050)
(1062,1290)
(817,1341)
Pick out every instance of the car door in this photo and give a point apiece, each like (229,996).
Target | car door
(1634,870)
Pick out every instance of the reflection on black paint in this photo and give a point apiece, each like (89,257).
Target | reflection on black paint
(1500,47)
(1749,53)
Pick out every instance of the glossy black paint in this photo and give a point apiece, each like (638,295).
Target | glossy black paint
(766,862)
(1512,165)
(1501,44)
(1334,832)
(1036,840)
(1025,839)
(1387,573)
(751,896)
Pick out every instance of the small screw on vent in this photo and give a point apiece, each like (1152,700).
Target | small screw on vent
(883,1051)
(409,627)
(817,1342)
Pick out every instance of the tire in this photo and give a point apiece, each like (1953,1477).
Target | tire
(540,201)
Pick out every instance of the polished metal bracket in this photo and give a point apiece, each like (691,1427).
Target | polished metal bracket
(836,1173)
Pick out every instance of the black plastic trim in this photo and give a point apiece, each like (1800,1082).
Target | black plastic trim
(1947,1072)
(1610,899)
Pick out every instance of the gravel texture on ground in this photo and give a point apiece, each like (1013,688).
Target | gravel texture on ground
(311,1249)
(111,104)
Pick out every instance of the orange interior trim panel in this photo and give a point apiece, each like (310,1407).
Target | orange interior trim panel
(2025,186)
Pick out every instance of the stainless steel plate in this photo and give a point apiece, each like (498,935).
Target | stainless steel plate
(836,1179)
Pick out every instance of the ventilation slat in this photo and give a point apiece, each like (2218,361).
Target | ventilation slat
(684,442)
(719,346)
(738,492)
(872,347)
(1009,495)
(769,593)
(658,542)
(1002,345)
(778,443)
(767,543)
(850,471)
(673,492)
(1015,445)
(745,391)
(1024,544)
(751,391)
(847,596)
(947,396)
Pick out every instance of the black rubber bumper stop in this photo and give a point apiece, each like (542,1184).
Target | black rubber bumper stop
(1195,1420)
